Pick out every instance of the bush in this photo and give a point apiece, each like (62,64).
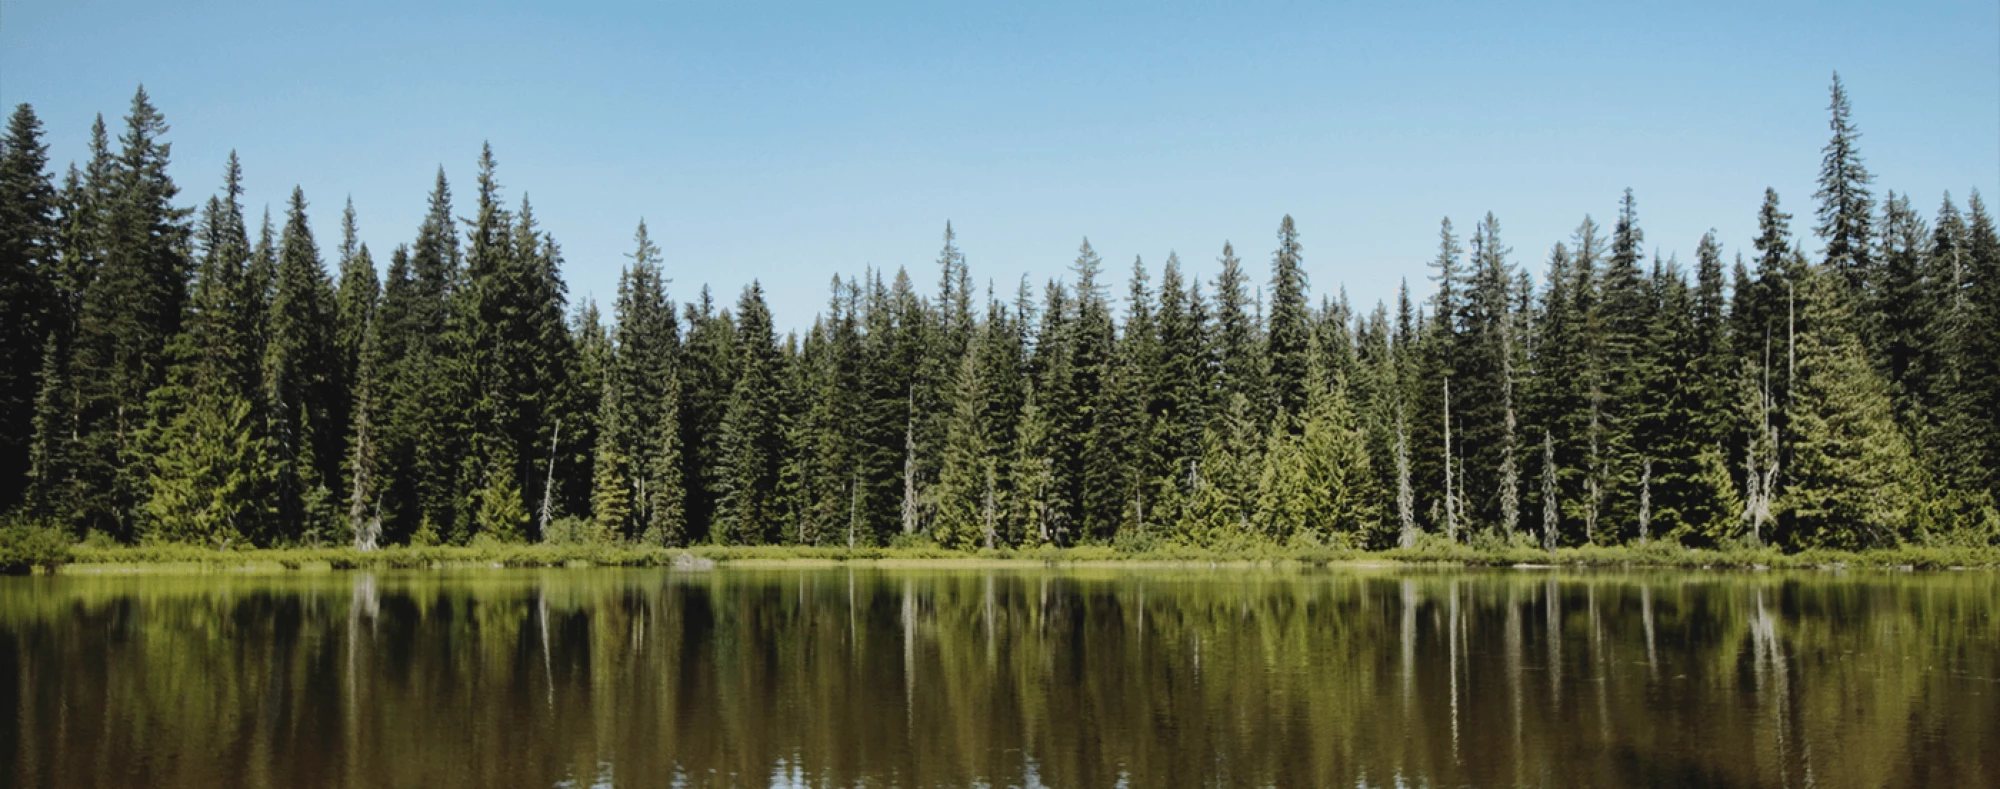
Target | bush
(26,545)
(571,530)
(1133,541)
(919,541)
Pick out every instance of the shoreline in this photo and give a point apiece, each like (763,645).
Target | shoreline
(185,559)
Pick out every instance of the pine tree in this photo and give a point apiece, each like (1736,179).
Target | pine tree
(499,513)
(1434,363)
(1849,482)
(1135,407)
(750,440)
(355,296)
(1178,384)
(961,488)
(708,373)
(1286,343)
(205,484)
(1316,485)
(1703,498)
(1483,380)
(28,247)
(1846,208)
(1964,437)
(828,432)
(364,497)
(299,364)
(611,483)
(1003,356)
(1226,489)
(1897,310)
(1630,314)
(1042,520)
(130,311)
(646,390)
(552,403)
(1239,361)
(1092,480)
(421,448)
(209,481)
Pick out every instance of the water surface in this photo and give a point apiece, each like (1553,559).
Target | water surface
(1087,678)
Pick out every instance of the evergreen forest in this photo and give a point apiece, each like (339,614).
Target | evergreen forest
(175,374)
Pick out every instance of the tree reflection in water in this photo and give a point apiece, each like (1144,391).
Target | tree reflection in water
(1008,677)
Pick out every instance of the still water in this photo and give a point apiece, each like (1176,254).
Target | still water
(1086,678)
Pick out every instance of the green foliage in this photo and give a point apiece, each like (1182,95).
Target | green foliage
(501,515)
(205,486)
(170,382)
(1851,473)
(26,544)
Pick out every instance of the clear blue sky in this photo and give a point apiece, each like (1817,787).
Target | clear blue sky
(789,142)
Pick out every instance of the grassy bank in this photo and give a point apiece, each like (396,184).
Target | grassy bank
(188,558)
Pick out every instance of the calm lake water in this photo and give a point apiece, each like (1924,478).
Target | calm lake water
(1086,678)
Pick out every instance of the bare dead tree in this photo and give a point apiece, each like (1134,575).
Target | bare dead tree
(1406,497)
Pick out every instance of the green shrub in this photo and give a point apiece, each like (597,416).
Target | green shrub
(26,545)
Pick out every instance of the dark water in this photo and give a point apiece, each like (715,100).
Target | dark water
(1086,678)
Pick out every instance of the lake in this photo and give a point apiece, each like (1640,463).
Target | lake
(1087,677)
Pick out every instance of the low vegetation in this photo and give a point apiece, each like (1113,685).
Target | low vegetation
(176,557)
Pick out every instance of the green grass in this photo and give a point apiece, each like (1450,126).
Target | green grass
(198,559)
